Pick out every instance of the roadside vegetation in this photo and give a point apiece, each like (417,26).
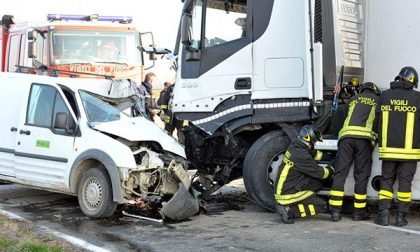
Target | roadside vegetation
(21,236)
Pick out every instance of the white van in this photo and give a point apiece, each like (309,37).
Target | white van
(63,135)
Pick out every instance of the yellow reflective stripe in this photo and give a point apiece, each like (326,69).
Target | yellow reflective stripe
(337,193)
(326,173)
(345,132)
(318,155)
(360,196)
(399,150)
(349,115)
(292,198)
(359,205)
(302,210)
(312,209)
(336,202)
(163,106)
(385,119)
(283,177)
(409,130)
(371,118)
(384,194)
(399,156)
(404,196)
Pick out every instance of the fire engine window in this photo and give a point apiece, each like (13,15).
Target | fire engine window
(225,21)
(13,53)
(22,50)
(40,46)
(41,105)
(93,47)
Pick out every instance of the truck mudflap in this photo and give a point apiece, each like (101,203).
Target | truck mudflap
(181,206)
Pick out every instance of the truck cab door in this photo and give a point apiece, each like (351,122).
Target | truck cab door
(44,151)
(216,59)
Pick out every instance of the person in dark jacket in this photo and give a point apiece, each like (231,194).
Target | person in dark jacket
(300,178)
(399,144)
(171,122)
(356,141)
(145,90)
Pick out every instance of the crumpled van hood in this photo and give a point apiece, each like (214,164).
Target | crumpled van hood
(140,129)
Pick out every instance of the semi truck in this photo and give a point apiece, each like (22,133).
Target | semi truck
(251,73)
(75,45)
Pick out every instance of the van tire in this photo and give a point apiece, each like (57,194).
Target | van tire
(94,193)
(257,164)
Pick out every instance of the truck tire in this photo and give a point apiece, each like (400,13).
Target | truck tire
(94,193)
(261,167)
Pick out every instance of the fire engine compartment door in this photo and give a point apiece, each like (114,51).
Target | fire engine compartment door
(281,56)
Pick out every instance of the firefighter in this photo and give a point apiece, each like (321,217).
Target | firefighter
(399,144)
(356,141)
(171,122)
(300,178)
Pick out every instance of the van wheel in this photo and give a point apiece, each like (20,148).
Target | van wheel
(261,167)
(95,194)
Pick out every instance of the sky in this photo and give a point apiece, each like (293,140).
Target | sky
(158,16)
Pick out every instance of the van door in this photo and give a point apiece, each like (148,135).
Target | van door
(12,98)
(44,153)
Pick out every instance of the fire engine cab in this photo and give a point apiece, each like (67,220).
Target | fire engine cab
(73,45)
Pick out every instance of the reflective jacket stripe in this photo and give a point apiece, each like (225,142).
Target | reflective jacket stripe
(409,130)
(319,155)
(326,173)
(366,131)
(385,119)
(283,177)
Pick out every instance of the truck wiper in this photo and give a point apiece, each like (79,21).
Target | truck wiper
(112,62)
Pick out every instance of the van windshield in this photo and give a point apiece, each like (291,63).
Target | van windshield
(98,110)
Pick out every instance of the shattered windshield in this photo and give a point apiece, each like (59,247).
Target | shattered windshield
(98,110)
(95,47)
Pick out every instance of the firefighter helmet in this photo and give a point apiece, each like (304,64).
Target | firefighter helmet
(371,86)
(408,74)
(309,135)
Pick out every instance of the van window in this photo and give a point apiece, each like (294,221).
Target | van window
(13,53)
(44,104)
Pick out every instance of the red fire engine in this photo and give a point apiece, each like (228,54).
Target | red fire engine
(73,45)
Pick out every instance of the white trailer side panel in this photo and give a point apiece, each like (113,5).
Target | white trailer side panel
(393,39)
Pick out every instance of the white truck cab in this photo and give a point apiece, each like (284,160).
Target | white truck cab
(63,135)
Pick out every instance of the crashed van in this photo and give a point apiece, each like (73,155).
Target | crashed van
(67,135)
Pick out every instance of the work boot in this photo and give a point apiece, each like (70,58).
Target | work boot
(383,217)
(401,220)
(285,214)
(360,215)
(335,215)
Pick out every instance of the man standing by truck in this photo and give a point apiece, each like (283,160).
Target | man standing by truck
(301,178)
(399,143)
(355,142)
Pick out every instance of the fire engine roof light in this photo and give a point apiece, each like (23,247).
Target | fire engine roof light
(60,17)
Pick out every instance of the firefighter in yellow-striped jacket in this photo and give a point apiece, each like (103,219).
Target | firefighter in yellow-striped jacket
(356,141)
(300,178)
(399,143)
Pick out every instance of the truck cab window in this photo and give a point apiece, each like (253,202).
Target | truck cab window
(41,52)
(197,18)
(225,21)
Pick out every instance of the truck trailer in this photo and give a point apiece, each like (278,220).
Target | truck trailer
(252,73)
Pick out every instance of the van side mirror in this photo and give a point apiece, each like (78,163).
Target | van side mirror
(62,122)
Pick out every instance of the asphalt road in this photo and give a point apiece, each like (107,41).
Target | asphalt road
(248,229)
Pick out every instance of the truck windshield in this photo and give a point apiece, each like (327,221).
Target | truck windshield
(95,47)
(98,110)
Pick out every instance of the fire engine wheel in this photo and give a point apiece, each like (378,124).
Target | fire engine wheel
(95,194)
(261,167)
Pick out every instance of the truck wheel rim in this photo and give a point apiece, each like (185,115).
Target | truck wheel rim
(93,193)
(273,169)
